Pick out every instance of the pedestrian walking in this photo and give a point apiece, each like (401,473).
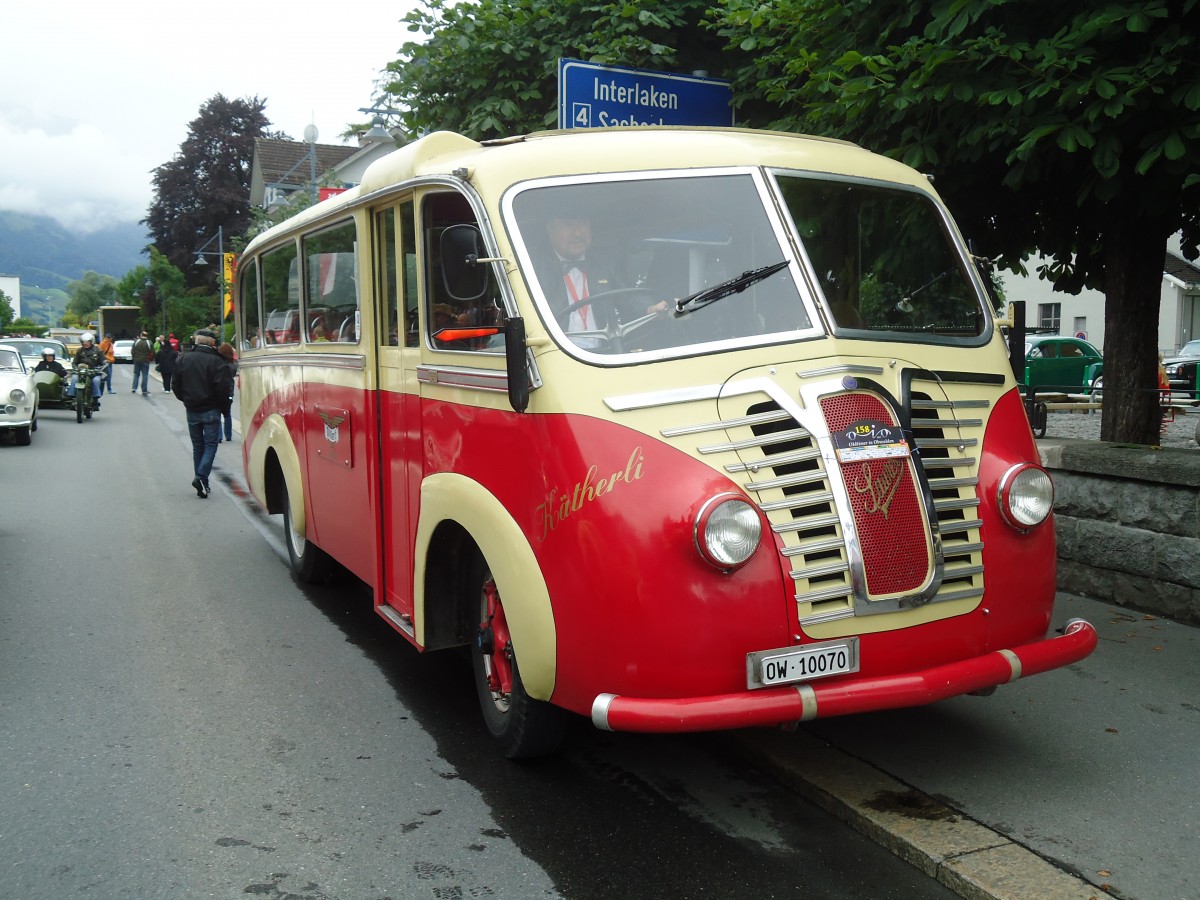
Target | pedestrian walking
(110,357)
(164,361)
(203,382)
(230,356)
(142,354)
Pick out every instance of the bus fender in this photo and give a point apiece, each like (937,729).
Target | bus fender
(273,434)
(457,498)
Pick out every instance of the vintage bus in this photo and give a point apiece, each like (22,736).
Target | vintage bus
(678,429)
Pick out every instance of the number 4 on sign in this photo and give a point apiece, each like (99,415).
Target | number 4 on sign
(582,115)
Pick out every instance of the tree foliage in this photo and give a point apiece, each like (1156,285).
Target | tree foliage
(489,68)
(89,293)
(7,313)
(207,183)
(1068,128)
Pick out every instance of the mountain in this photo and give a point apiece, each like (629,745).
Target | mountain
(47,257)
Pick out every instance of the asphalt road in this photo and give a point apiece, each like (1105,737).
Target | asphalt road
(178,718)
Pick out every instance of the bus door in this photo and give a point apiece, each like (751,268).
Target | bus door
(396,294)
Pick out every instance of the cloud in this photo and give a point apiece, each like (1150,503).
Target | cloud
(83,128)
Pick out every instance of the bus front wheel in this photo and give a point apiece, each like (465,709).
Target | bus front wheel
(523,726)
(308,562)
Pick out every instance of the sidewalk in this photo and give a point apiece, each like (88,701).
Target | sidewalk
(1077,783)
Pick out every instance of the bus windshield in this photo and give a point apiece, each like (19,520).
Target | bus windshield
(882,258)
(618,267)
(663,265)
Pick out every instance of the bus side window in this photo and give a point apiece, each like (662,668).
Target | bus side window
(247,305)
(408,256)
(385,278)
(439,212)
(332,304)
(281,295)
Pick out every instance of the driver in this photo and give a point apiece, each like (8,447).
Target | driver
(91,356)
(49,364)
(570,276)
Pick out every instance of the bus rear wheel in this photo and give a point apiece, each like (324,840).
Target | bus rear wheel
(524,727)
(308,562)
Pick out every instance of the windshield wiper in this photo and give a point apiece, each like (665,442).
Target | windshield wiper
(701,299)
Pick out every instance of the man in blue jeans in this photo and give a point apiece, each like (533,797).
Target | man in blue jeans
(204,383)
(142,353)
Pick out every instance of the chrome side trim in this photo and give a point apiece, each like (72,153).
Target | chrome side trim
(663,398)
(300,358)
(841,370)
(493,380)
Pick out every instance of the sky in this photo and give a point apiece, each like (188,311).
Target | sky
(95,95)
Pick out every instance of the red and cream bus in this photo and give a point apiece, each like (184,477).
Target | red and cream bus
(679,429)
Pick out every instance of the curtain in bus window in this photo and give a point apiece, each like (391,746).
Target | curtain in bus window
(331,312)
(281,295)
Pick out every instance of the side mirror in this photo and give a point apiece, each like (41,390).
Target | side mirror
(515,353)
(460,248)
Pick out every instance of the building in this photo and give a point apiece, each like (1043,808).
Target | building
(1083,313)
(10,286)
(281,168)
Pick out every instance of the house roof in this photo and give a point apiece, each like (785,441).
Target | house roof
(1180,268)
(286,162)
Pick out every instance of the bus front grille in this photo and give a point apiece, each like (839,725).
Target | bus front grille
(840,567)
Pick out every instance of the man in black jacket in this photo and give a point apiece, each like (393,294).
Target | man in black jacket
(204,383)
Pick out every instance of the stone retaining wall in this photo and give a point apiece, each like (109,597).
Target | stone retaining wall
(1128,521)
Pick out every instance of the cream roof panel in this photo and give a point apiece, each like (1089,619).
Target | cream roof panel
(495,165)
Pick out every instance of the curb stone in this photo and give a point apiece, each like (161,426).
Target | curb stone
(966,856)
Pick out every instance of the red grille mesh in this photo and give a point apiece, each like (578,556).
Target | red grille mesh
(883,496)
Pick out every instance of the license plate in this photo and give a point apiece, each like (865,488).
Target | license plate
(794,664)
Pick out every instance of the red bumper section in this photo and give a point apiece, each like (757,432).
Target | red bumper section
(802,702)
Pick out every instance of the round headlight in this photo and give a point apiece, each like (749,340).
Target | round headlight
(1025,496)
(728,531)
(16,395)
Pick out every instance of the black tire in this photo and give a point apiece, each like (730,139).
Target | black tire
(33,425)
(523,727)
(79,403)
(21,435)
(307,561)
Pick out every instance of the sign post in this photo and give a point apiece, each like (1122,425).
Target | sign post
(594,96)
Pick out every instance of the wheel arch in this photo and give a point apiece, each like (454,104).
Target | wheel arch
(459,516)
(274,470)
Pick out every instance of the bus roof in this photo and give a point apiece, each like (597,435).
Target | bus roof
(492,166)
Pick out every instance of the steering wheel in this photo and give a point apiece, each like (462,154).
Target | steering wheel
(611,331)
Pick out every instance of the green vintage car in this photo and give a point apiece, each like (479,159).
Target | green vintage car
(1056,364)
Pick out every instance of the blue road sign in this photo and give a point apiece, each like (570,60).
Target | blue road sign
(592,96)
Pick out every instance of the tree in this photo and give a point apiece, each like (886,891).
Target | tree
(7,313)
(489,68)
(207,184)
(1067,128)
(89,293)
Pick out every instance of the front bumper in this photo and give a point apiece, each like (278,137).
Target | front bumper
(802,702)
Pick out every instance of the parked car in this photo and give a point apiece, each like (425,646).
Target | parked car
(1181,368)
(18,396)
(31,350)
(123,351)
(1061,364)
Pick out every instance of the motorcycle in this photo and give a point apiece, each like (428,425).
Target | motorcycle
(85,403)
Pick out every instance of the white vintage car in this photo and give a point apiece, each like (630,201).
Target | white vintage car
(18,396)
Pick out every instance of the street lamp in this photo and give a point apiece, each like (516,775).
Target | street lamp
(219,237)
